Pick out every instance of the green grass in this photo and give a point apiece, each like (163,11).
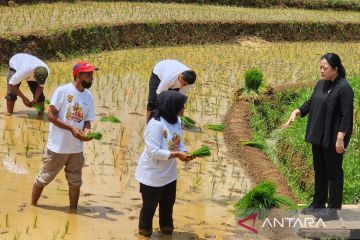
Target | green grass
(51,18)
(292,154)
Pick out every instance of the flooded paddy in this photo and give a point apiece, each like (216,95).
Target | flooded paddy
(110,201)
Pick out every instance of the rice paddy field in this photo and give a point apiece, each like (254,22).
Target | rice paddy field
(110,201)
(56,16)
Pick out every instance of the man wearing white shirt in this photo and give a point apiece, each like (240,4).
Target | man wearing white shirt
(26,67)
(70,114)
(169,75)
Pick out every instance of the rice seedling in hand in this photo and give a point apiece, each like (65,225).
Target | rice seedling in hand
(215,127)
(94,135)
(38,108)
(260,199)
(110,118)
(201,152)
(188,122)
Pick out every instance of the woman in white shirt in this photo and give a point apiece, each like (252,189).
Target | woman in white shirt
(156,170)
(169,75)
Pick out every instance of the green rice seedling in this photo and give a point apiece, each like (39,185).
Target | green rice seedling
(94,135)
(67,226)
(38,108)
(188,122)
(260,199)
(55,235)
(201,152)
(110,118)
(215,127)
(47,101)
(254,144)
(27,229)
(35,221)
(7,220)
(17,235)
(254,85)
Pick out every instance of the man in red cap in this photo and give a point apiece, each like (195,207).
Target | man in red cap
(70,113)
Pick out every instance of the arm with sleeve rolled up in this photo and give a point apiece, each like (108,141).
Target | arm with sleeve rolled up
(153,136)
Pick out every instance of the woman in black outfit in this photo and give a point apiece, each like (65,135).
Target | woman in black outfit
(329,129)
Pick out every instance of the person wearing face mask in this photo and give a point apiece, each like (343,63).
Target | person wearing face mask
(156,170)
(22,67)
(329,128)
(169,75)
(70,114)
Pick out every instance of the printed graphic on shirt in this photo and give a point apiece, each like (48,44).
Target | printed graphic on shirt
(70,98)
(75,113)
(165,134)
(174,144)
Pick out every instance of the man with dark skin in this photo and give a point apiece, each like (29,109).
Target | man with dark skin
(70,114)
(25,67)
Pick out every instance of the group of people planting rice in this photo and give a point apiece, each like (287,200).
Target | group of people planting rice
(71,111)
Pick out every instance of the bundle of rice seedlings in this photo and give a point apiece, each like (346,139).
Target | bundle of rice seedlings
(188,122)
(254,86)
(94,135)
(254,144)
(201,152)
(260,199)
(110,118)
(215,127)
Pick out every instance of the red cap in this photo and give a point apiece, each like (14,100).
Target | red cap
(83,67)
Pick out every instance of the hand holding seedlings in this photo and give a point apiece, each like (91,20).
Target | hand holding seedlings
(184,156)
(77,133)
(292,117)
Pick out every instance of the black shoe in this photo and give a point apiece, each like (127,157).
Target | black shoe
(327,214)
(145,233)
(166,230)
(310,210)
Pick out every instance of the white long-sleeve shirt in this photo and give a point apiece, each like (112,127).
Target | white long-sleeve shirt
(168,72)
(24,65)
(154,167)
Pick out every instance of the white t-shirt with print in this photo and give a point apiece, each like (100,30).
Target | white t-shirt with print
(74,108)
(154,167)
(24,65)
(168,72)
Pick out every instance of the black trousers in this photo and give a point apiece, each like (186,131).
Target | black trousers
(153,86)
(11,95)
(152,197)
(329,177)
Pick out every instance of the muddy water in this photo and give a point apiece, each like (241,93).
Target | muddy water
(110,201)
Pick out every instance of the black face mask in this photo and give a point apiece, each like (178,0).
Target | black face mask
(85,84)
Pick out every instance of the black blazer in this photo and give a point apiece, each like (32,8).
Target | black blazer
(330,110)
